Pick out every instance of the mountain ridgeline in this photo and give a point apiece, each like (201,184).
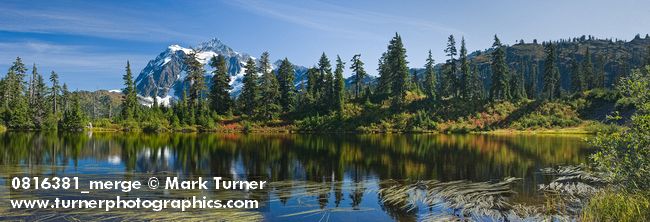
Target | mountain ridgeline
(165,75)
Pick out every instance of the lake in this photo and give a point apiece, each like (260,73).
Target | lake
(325,177)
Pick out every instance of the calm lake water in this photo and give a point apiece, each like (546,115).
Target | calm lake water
(333,177)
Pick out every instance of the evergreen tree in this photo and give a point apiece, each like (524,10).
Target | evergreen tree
(339,85)
(73,118)
(464,71)
(287,89)
(551,74)
(269,90)
(518,90)
(533,83)
(16,104)
(66,97)
(54,94)
(359,74)
(500,89)
(430,78)
(588,71)
(130,98)
(248,99)
(326,88)
(577,80)
(39,101)
(448,83)
(195,77)
(646,60)
(599,81)
(385,75)
(312,82)
(400,72)
(476,85)
(220,100)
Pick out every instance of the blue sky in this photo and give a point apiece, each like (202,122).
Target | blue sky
(88,42)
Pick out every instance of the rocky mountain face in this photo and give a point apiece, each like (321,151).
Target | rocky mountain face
(165,76)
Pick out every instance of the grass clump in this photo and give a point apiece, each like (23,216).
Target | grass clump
(614,205)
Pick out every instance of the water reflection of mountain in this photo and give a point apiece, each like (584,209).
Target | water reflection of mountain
(340,165)
(311,157)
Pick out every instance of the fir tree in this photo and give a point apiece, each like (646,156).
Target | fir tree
(430,78)
(448,84)
(339,85)
(646,59)
(195,77)
(326,83)
(312,82)
(518,91)
(287,89)
(577,80)
(476,85)
(400,72)
(220,100)
(359,74)
(385,75)
(73,118)
(39,101)
(130,98)
(533,83)
(248,99)
(551,74)
(269,90)
(464,70)
(54,93)
(588,71)
(599,81)
(500,89)
(16,104)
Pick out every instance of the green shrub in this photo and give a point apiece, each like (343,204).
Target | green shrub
(614,205)
(625,155)
(103,122)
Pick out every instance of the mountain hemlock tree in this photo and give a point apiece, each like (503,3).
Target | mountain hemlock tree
(220,100)
(500,89)
(551,74)
(430,78)
(339,85)
(249,94)
(130,98)
(449,81)
(286,76)
(359,74)
(269,90)
(400,72)
(464,71)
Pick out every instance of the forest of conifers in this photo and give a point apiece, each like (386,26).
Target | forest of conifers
(555,84)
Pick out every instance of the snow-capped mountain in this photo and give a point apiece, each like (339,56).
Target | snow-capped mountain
(165,75)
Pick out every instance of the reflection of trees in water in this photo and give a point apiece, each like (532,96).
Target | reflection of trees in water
(325,159)
(311,157)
